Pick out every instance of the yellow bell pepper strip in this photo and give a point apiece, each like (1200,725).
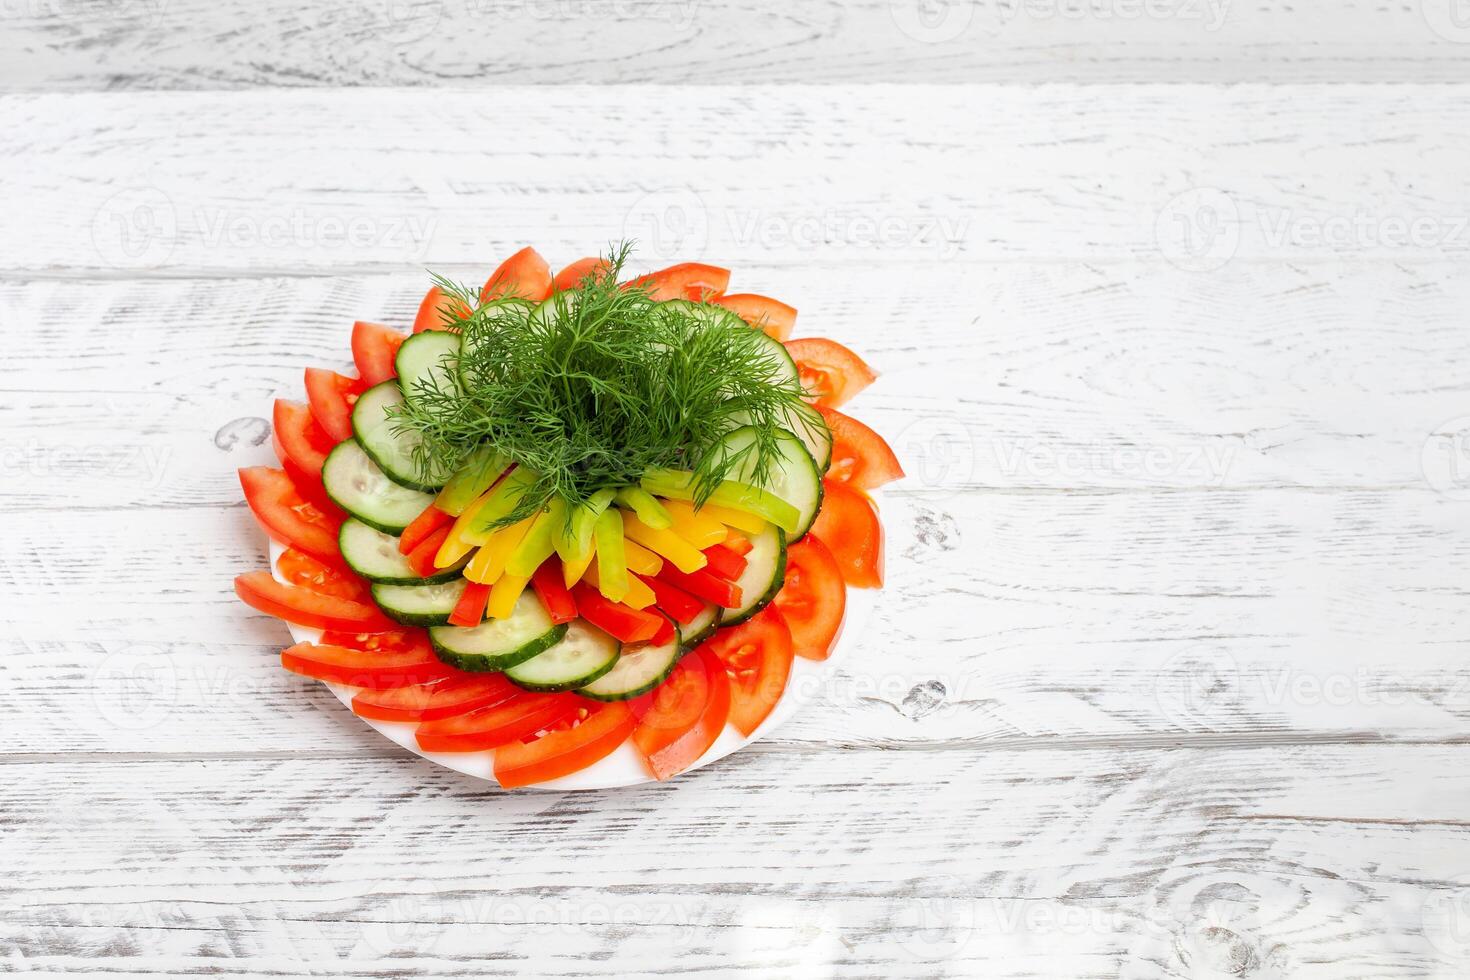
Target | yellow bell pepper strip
(639,595)
(666,544)
(738,519)
(489,562)
(640,559)
(504,593)
(574,541)
(572,571)
(696,527)
(498,504)
(680,484)
(539,542)
(646,506)
(455,546)
(477,474)
(612,570)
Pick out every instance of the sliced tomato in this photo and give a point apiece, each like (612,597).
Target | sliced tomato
(614,618)
(401,639)
(570,746)
(723,562)
(308,485)
(848,525)
(373,348)
(431,520)
(710,588)
(303,441)
(757,656)
(524,274)
(814,598)
(571,277)
(681,718)
(326,578)
(674,601)
(421,558)
(831,373)
(470,609)
(517,717)
(438,311)
(860,456)
(287,516)
(687,280)
(303,607)
(770,315)
(361,668)
(453,695)
(553,593)
(331,397)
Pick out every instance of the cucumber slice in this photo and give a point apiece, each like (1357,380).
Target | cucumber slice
(584,654)
(428,361)
(765,573)
(794,477)
(357,485)
(389,447)
(499,643)
(701,629)
(375,556)
(637,671)
(807,424)
(419,605)
(783,368)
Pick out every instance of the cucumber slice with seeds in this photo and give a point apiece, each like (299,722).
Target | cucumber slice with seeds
(428,360)
(359,486)
(419,605)
(705,623)
(793,477)
(498,644)
(375,556)
(765,573)
(584,654)
(638,671)
(389,446)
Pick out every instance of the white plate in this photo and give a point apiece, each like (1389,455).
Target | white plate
(624,767)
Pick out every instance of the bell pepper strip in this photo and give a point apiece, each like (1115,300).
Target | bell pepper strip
(475,526)
(667,631)
(738,519)
(288,517)
(738,543)
(573,570)
(525,274)
(848,525)
(374,347)
(860,457)
(617,620)
(830,373)
(646,506)
(666,544)
(470,609)
(813,599)
(359,668)
(504,593)
(438,311)
(702,584)
(478,473)
(303,607)
(299,438)
(331,578)
(757,656)
(680,485)
(676,727)
(555,597)
(771,316)
(640,559)
(592,734)
(331,397)
(539,542)
(422,559)
(687,280)
(612,568)
(574,541)
(724,562)
(422,527)
(571,277)
(698,528)
(638,595)
(489,562)
(496,724)
(682,607)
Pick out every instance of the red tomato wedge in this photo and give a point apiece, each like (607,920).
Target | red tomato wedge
(687,280)
(373,348)
(814,598)
(303,441)
(437,311)
(572,276)
(524,274)
(614,618)
(681,718)
(710,588)
(553,593)
(401,639)
(848,525)
(287,516)
(362,668)
(724,562)
(757,656)
(445,698)
(831,373)
(306,608)
(860,456)
(419,530)
(326,578)
(682,607)
(331,396)
(517,717)
(772,316)
(470,608)
(572,745)
(308,486)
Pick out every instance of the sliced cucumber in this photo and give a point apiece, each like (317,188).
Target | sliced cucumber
(497,644)
(419,605)
(375,556)
(584,654)
(637,671)
(389,446)
(428,361)
(511,306)
(783,368)
(765,573)
(357,485)
(703,627)
(794,477)
(807,424)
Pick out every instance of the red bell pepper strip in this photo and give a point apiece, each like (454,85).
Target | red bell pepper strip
(421,558)
(470,608)
(723,562)
(702,584)
(431,520)
(553,593)
(679,605)
(622,622)
(666,632)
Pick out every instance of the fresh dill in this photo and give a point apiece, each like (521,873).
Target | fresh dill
(599,385)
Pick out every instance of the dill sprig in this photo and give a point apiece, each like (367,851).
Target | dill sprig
(599,385)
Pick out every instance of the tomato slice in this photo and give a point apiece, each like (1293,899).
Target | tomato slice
(304,442)
(308,486)
(325,578)
(398,640)
(331,396)
(517,717)
(422,527)
(438,311)
(306,608)
(708,587)
(553,593)
(682,607)
(681,718)
(574,744)
(362,668)
(687,280)
(831,373)
(770,315)
(614,618)
(373,348)
(860,456)
(723,562)
(286,515)
(757,655)
(814,599)
(524,274)
(571,277)
(445,698)
(470,608)
(848,525)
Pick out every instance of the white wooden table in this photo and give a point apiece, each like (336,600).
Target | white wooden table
(1170,679)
